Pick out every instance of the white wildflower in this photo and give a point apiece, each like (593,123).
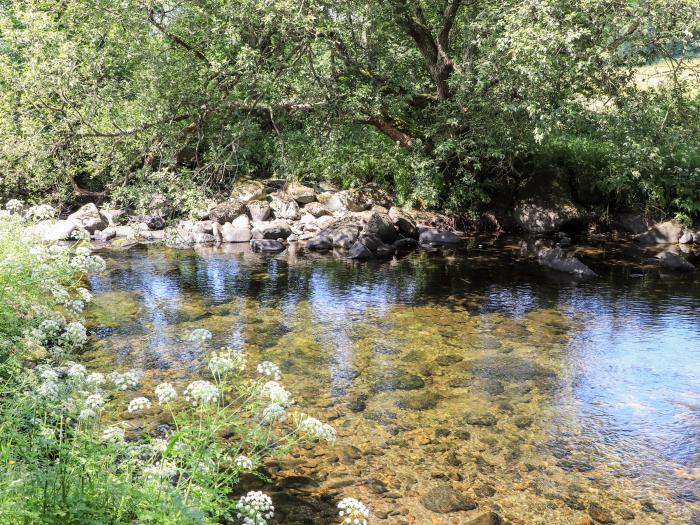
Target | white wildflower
(95,378)
(113,434)
(226,361)
(165,393)
(74,306)
(270,369)
(80,234)
(49,375)
(353,512)
(14,205)
(243,462)
(200,336)
(273,413)
(163,471)
(276,393)
(77,371)
(124,381)
(95,401)
(255,508)
(87,413)
(48,389)
(315,429)
(201,393)
(41,212)
(74,335)
(84,294)
(139,403)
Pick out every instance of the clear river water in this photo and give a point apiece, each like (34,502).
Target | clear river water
(460,382)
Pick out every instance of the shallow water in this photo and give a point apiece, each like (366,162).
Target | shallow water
(528,392)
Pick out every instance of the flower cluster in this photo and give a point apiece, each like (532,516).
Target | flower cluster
(255,508)
(243,462)
(353,512)
(124,381)
(270,369)
(200,336)
(74,335)
(227,361)
(276,393)
(41,212)
(14,206)
(80,234)
(201,393)
(315,429)
(165,392)
(95,401)
(162,471)
(139,403)
(74,306)
(113,434)
(76,371)
(95,379)
(273,413)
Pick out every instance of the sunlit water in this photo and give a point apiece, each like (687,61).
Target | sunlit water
(531,393)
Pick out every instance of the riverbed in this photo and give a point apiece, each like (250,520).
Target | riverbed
(460,382)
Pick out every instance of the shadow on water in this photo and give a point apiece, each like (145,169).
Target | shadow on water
(534,393)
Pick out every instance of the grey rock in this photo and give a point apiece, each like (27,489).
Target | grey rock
(259,210)
(446,499)
(480,420)
(271,230)
(381,226)
(246,191)
(226,211)
(317,209)
(343,233)
(675,263)
(320,243)
(398,380)
(405,243)
(689,237)
(90,218)
(346,200)
(490,518)
(152,235)
(232,232)
(599,514)
(404,222)
(668,232)
(300,193)
(284,208)
(154,222)
(506,368)
(423,401)
(434,237)
(105,235)
(633,222)
(203,238)
(556,259)
(266,245)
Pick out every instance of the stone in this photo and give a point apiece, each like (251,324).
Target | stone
(490,518)
(152,235)
(266,245)
(368,246)
(381,226)
(114,217)
(105,235)
(405,243)
(154,222)
(507,368)
(633,222)
(248,190)
(599,514)
(668,232)
(271,230)
(674,262)
(397,379)
(237,231)
(446,499)
(56,231)
(90,218)
(403,222)
(203,238)
(360,250)
(320,243)
(284,208)
(432,237)
(423,401)
(346,200)
(343,234)
(448,359)
(317,209)
(689,237)
(300,193)
(556,259)
(480,420)
(259,210)
(572,465)
(124,231)
(226,211)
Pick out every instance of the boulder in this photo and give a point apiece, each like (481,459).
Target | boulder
(317,209)
(56,231)
(404,222)
(556,259)
(689,237)
(152,235)
(154,222)
(179,238)
(381,226)
(300,193)
(633,222)
(266,245)
(158,205)
(668,232)
(237,231)
(226,211)
(320,243)
(125,231)
(246,191)
(114,217)
(271,230)
(445,499)
(372,195)
(367,246)
(490,518)
(90,218)
(675,263)
(405,243)
(203,238)
(259,210)
(343,233)
(105,235)
(203,227)
(432,237)
(345,201)
(284,208)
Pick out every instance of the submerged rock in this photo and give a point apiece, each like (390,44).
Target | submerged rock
(674,262)
(266,245)
(490,518)
(557,259)
(398,380)
(368,246)
(432,237)
(424,401)
(320,243)
(445,499)
(271,230)
(480,420)
(599,514)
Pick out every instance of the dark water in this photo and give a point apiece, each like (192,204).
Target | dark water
(529,392)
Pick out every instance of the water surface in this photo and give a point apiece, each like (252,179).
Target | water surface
(534,394)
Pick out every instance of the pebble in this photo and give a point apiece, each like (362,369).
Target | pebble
(444,499)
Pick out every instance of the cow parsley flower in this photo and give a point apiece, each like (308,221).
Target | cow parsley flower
(113,434)
(227,361)
(95,378)
(87,413)
(49,375)
(270,369)
(276,393)
(255,508)
(84,294)
(315,429)
(41,212)
(139,403)
(124,381)
(353,512)
(165,393)
(49,329)
(273,413)
(95,401)
(14,206)
(80,234)
(200,336)
(77,372)
(74,306)
(201,393)
(74,335)
(48,389)
(243,462)
(163,471)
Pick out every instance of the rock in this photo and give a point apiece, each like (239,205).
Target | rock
(675,263)
(689,237)
(300,193)
(403,222)
(105,235)
(152,235)
(397,379)
(368,246)
(432,237)
(343,234)
(405,244)
(266,245)
(488,223)
(372,195)
(572,465)
(284,209)
(424,401)
(203,238)
(226,211)
(90,218)
(445,499)
(56,231)
(490,518)
(248,190)
(485,491)
(158,205)
(599,514)
(320,243)
(534,217)
(480,420)
(556,259)
(381,226)
(259,210)
(507,368)
(359,250)
(317,209)
(124,231)
(114,217)
(154,222)
(448,359)
(237,231)
(345,201)
(271,230)
(668,232)
(633,222)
